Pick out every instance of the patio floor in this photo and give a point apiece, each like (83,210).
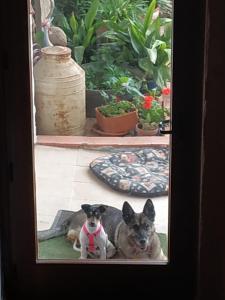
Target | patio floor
(64,181)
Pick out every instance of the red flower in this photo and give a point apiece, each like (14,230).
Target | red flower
(148,102)
(166,91)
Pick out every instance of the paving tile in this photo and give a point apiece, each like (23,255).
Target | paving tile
(90,191)
(44,221)
(84,157)
(83,174)
(58,188)
(46,154)
(54,171)
(48,204)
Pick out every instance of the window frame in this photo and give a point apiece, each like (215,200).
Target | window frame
(24,276)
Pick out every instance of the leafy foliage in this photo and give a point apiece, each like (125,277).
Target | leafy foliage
(150,113)
(117,108)
(135,42)
(117,80)
(80,33)
(79,7)
(119,10)
(150,42)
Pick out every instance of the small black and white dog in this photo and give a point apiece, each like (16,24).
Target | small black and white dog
(93,240)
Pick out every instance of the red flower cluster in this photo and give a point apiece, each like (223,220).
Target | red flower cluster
(148,102)
(166,91)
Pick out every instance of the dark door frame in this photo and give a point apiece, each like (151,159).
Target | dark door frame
(24,277)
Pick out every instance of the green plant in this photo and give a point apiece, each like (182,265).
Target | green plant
(149,41)
(150,113)
(120,10)
(111,80)
(120,83)
(103,68)
(116,108)
(106,54)
(79,7)
(80,33)
(120,88)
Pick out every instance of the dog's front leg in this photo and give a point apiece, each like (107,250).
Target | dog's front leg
(103,252)
(83,245)
(110,250)
(83,254)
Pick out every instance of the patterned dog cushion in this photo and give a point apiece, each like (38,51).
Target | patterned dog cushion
(141,173)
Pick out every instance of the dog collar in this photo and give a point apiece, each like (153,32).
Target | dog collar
(91,236)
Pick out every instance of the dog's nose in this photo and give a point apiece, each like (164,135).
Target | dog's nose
(142,242)
(92,224)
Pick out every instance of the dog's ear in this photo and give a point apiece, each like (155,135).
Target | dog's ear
(149,210)
(128,213)
(86,207)
(102,209)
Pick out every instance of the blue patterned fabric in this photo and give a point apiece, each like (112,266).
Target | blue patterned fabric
(142,173)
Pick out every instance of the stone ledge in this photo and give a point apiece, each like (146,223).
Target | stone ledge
(85,141)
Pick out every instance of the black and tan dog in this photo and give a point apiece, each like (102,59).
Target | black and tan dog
(133,234)
(93,240)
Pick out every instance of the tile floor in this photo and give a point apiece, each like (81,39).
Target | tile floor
(64,181)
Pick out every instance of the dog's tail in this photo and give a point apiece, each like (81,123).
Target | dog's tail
(75,246)
(73,236)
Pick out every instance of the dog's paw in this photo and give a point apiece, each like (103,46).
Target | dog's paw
(103,257)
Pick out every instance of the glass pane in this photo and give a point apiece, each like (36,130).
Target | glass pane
(101,99)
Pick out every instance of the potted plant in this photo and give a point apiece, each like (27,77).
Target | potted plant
(150,112)
(117,117)
(102,76)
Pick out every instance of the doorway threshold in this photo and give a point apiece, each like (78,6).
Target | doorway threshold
(92,141)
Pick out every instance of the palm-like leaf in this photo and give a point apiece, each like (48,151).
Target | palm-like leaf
(136,40)
(73,23)
(88,37)
(91,14)
(79,54)
(149,14)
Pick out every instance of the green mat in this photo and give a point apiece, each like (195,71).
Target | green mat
(60,248)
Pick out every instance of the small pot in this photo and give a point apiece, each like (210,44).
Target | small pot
(145,132)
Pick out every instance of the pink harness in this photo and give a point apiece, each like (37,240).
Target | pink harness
(91,236)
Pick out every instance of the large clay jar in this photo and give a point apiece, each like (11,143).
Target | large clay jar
(59,93)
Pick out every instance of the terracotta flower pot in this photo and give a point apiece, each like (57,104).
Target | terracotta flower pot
(117,124)
(145,132)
